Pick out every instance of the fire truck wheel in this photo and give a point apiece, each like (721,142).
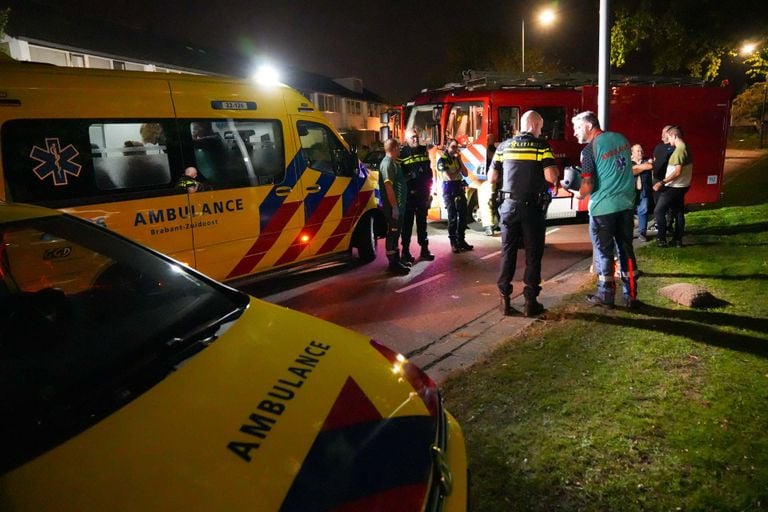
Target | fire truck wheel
(365,239)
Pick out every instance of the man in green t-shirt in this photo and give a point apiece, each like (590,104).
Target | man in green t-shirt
(394,190)
(672,189)
(607,178)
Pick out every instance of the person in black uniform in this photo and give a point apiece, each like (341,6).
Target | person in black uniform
(526,164)
(453,172)
(415,162)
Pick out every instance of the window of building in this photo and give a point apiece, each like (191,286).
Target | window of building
(48,55)
(99,62)
(326,103)
(77,60)
(130,66)
(118,64)
(354,107)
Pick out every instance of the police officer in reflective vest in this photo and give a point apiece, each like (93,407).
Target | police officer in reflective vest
(415,162)
(526,164)
(452,172)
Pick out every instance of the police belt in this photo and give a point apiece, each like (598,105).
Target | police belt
(527,201)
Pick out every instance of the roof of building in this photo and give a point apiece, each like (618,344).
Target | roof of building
(58,28)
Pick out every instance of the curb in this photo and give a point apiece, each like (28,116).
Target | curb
(474,340)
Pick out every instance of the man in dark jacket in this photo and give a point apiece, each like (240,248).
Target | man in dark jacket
(415,162)
(526,163)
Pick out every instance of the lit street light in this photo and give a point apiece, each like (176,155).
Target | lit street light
(747,50)
(546,17)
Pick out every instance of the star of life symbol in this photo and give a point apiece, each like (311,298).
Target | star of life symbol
(621,162)
(55,161)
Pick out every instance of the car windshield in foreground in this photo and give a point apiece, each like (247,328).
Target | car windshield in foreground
(89,320)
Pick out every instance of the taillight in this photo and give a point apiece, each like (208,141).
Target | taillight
(421,382)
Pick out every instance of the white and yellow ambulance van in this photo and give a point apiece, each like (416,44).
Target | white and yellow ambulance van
(230,177)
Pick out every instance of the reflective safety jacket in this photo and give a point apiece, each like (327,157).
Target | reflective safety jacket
(415,162)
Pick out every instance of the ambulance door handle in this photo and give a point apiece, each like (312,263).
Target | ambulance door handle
(283,191)
(313,189)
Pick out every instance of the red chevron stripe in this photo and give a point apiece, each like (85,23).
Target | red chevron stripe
(406,497)
(350,216)
(313,225)
(265,240)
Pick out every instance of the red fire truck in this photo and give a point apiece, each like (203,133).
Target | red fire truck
(492,103)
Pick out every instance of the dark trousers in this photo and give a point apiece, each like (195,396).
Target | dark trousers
(672,200)
(393,232)
(416,208)
(455,199)
(610,233)
(526,223)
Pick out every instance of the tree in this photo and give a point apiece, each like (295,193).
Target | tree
(747,106)
(4,15)
(685,35)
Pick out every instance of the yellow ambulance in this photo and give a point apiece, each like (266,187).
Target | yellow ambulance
(230,177)
(138,384)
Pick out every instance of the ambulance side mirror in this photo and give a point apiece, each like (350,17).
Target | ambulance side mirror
(384,118)
(384,133)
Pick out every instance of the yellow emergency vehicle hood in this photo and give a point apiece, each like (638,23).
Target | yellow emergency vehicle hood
(282,412)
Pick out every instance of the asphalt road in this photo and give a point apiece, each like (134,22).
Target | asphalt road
(410,312)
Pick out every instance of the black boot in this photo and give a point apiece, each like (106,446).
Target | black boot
(455,247)
(506,306)
(407,259)
(396,266)
(425,254)
(464,246)
(532,308)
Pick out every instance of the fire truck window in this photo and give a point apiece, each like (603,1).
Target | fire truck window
(509,122)
(554,122)
(421,119)
(238,153)
(323,151)
(465,123)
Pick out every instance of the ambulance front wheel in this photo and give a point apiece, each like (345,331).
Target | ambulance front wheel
(364,239)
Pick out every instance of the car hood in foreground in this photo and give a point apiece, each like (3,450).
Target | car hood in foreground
(283,412)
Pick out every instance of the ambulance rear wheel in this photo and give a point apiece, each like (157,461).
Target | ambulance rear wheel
(365,239)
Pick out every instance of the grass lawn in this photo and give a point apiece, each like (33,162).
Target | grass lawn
(665,408)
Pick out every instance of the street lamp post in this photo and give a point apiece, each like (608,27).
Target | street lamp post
(546,17)
(522,46)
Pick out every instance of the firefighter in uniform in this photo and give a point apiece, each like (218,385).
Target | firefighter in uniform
(453,172)
(415,162)
(526,164)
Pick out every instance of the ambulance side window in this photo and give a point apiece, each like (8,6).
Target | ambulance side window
(68,162)
(235,153)
(323,151)
(554,122)
(129,155)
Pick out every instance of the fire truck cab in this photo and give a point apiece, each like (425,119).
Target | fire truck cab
(492,103)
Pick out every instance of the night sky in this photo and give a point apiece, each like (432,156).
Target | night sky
(396,47)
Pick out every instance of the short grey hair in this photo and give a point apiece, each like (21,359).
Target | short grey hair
(587,117)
